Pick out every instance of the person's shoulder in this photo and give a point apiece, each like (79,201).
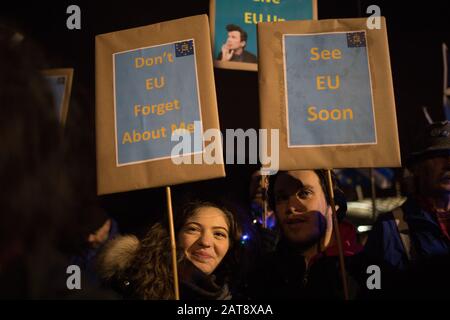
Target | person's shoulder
(385,217)
(383,226)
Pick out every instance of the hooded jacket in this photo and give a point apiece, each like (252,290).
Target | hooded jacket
(138,270)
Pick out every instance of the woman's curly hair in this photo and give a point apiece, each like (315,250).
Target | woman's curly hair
(150,271)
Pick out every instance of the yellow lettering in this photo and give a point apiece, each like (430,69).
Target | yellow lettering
(161,110)
(149,84)
(150,61)
(160,84)
(247,17)
(157,109)
(334,115)
(268,1)
(325,55)
(153,83)
(156,135)
(323,115)
(336,83)
(139,62)
(126,138)
(336,54)
(315,55)
(320,81)
(349,112)
(136,136)
(146,136)
(311,111)
(253,17)
(137,109)
(146,110)
(174,126)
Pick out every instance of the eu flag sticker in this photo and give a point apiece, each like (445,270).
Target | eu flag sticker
(184,48)
(356,39)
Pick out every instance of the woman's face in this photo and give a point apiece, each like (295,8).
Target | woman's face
(205,238)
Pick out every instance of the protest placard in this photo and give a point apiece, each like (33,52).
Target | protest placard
(60,83)
(151,81)
(327,86)
(233,27)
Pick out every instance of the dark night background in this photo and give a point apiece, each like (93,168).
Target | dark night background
(415,34)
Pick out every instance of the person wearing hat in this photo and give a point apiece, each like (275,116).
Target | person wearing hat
(420,228)
(304,264)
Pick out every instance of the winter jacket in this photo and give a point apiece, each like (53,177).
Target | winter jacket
(115,266)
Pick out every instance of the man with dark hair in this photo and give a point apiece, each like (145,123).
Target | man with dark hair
(234,48)
(304,264)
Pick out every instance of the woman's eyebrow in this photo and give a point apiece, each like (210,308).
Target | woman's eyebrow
(193,222)
(220,227)
(201,226)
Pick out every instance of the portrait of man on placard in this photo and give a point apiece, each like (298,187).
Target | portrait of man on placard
(234,47)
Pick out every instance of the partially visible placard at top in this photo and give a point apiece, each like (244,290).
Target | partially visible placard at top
(233,26)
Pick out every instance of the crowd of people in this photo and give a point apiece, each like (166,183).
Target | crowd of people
(47,224)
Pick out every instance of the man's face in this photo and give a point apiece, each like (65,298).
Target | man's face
(301,207)
(433,175)
(234,40)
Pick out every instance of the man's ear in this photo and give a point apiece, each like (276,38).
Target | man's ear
(243,44)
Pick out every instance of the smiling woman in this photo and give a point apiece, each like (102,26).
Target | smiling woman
(207,236)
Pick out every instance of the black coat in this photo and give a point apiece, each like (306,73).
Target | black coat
(282,275)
